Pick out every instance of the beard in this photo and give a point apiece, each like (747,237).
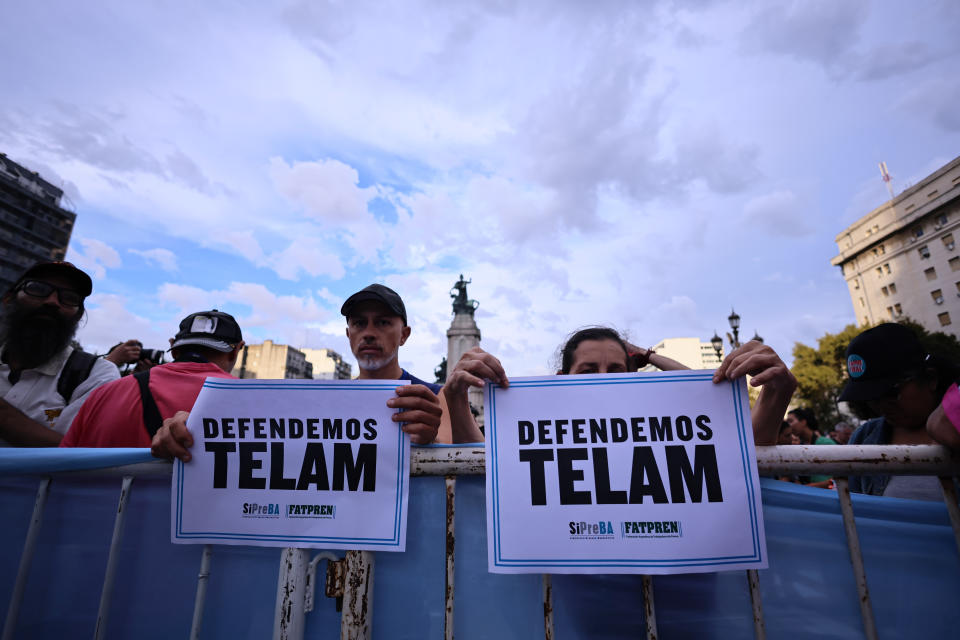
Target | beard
(369,363)
(31,336)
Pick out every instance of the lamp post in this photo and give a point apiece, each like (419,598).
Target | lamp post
(717,343)
(735,325)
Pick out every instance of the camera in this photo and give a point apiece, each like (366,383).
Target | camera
(153,355)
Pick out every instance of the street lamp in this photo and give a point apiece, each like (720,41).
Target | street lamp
(756,336)
(735,325)
(717,343)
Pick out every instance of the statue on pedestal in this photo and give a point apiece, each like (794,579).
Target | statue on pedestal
(459,294)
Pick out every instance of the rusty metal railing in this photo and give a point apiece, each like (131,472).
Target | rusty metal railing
(357,569)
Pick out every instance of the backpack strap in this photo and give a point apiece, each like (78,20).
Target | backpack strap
(151,414)
(74,372)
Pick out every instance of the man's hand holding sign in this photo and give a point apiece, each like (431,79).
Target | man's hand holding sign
(295,463)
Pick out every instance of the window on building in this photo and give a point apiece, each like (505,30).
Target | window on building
(876,228)
(942,219)
(917,231)
(931,273)
(883,249)
(886,267)
(937,296)
(856,284)
(884,291)
(893,288)
(879,272)
(957,284)
(897,309)
(944,318)
(862,302)
(948,242)
(924,252)
(890,312)
(954,263)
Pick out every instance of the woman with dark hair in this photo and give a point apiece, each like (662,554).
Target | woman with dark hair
(894,379)
(603,350)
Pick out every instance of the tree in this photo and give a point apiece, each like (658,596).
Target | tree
(821,373)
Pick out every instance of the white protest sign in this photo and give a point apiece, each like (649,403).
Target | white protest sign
(622,473)
(294,463)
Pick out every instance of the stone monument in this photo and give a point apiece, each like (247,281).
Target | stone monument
(463,335)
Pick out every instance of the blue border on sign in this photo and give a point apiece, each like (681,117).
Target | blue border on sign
(737,390)
(402,458)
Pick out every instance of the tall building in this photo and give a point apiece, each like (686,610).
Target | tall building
(328,364)
(901,259)
(269,361)
(33,225)
(692,352)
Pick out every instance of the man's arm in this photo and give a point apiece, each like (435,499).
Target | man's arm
(172,439)
(474,367)
(19,430)
(769,372)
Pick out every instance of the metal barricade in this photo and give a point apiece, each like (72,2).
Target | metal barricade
(296,576)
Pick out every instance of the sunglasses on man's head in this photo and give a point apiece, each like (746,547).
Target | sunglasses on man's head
(40,289)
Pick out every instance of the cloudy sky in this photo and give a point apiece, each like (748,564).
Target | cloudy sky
(643,164)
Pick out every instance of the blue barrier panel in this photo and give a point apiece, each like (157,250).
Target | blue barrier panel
(808,592)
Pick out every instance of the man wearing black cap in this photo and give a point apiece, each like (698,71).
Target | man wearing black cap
(130,411)
(43,380)
(891,375)
(377,328)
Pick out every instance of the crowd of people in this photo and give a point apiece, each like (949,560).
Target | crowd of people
(53,394)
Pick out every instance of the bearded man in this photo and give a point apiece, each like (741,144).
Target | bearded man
(44,380)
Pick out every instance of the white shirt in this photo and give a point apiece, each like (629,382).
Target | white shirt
(36,395)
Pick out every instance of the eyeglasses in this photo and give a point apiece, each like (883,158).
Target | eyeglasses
(40,289)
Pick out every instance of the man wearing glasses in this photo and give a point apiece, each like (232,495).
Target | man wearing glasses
(43,380)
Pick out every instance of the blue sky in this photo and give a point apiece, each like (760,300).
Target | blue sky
(646,165)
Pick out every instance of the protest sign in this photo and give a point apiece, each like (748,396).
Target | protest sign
(622,473)
(294,463)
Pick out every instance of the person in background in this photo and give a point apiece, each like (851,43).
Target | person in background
(893,378)
(803,426)
(43,379)
(602,350)
(130,411)
(841,433)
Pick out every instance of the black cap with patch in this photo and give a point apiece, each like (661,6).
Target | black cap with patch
(213,329)
(377,293)
(878,358)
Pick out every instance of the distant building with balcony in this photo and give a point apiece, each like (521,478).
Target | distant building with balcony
(269,361)
(34,227)
(328,364)
(902,259)
(691,352)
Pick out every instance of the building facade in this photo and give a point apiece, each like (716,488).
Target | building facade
(269,361)
(901,259)
(34,227)
(691,352)
(328,364)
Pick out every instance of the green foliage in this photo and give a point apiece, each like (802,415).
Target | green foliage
(821,372)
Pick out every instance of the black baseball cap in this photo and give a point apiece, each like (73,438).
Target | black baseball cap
(878,358)
(213,329)
(66,270)
(378,293)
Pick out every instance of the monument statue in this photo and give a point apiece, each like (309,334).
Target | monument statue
(459,294)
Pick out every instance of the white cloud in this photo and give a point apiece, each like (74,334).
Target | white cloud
(326,189)
(95,257)
(163,258)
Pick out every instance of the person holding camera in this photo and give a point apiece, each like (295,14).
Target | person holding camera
(129,411)
(131,352)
